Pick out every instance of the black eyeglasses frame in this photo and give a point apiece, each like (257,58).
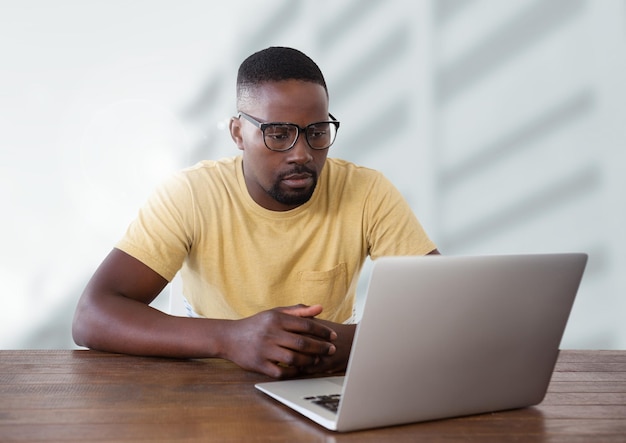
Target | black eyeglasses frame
(263,126)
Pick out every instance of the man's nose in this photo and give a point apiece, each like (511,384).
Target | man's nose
(301,151)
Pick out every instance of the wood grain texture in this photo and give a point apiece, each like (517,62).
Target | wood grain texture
(93,396)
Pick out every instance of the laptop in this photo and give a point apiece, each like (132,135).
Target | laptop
(445,336)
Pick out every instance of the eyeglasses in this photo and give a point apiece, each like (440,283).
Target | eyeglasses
(282,137)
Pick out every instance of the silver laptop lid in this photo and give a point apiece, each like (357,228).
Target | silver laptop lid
(445,336)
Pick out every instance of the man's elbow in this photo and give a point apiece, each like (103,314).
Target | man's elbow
(80,331)
(84,329)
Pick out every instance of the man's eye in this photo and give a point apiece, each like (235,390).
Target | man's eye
(318,131)
(317,134)
(278,133)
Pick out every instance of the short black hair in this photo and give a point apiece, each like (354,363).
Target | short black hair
(274,64)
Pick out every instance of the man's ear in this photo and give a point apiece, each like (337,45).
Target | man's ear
(235,131)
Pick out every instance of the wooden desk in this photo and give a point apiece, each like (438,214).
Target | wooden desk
(87,395)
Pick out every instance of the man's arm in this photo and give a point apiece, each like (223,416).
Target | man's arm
(113,315)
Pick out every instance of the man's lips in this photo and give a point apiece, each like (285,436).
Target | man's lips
(299,180)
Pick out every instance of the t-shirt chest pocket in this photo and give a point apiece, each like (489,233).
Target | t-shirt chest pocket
(328,288)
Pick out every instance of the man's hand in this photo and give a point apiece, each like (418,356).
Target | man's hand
(280,341)
(338,360)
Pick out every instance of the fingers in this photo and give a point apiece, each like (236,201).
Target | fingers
(300,344)
(303,343)
(302,310)
(281,362)
(338,361)
(300,335)
(279,342)
(286,357)
(304,325)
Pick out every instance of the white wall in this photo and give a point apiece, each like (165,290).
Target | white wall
(93,99)
(499,121)
(529,140)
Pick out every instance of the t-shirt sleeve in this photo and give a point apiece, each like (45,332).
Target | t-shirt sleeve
(391,226)
(161,234)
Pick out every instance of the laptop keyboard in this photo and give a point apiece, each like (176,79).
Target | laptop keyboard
(330,402)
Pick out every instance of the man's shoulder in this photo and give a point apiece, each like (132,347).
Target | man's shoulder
(342,171)
(197,178)
(227,164)
(340,168)
(222,170)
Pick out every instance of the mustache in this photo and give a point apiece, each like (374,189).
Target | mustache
(300,169)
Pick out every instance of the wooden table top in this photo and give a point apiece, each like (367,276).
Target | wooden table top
(88,395)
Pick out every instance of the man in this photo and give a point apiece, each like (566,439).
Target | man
(269,244)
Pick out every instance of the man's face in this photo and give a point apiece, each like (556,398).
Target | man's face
(280,181)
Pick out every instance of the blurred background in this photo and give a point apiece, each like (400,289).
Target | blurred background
(501,123)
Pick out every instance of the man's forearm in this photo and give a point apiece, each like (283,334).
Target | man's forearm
(276,342)
(114,323)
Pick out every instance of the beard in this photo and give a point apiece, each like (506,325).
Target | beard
(293,197)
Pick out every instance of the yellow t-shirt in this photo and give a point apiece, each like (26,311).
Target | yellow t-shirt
(238,258)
